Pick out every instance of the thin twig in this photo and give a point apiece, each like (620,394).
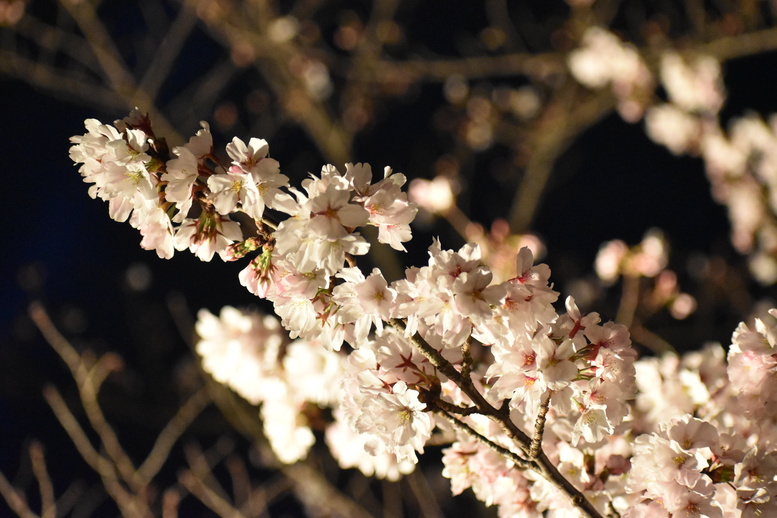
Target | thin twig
(88,380)
(171,498)
(629,300)
(241,483)
(116,72)
(454,409)
(261,497)
(424,495)
(465,384)
(168,52)
(540,463)
(75,431)
(128,503)
(501,450)
(15,499)
(172,432)
(208,496)
(200,469)
(431,70)
(48,502)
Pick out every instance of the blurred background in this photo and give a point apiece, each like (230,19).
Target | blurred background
(478,94)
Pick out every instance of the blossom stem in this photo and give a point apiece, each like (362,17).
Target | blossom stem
(539,429)
(268,223)
(501,416)
(466,357)
(539,463)
(464,427)
(453,409)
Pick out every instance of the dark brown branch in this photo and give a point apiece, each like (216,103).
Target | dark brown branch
(540,463)
(453,409)
(501,416)
(504,452)
(539,429)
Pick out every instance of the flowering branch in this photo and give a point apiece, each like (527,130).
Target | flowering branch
(504,452)
(405,338)
(466,385)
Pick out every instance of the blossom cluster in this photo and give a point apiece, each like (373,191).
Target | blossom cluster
(542,411)
(707,445)
(741,163)
(648,259)
(188,199)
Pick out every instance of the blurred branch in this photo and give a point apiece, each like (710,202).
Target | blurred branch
(172,432)
(237,29)
(89,376)
(199,480)
(563,121)
(741,45)
(47,500)
(58,81)
(112,65)
(309,485)
(129,504)
(162,62)
(15,499)
(424,495)
(505,65)
(127,486)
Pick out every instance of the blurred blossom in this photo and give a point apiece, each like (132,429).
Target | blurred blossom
(478,130)
(742,169)
(493,37)
(389,32)
(225,115)
(242,53)
(211,10)
(434,195)
(682,306)
(11,12)
(479,134)
(283,29)
(666,284)
(241,349)
(746,212)
(672,127)
(350,32)
(653,254)
(647,259)
(721,158)
(764,268)
(694,86)
(593,64)
(609,259)
(667,294)
(525,102)
(602,60)
(456,89)
(317,80)
(138,277)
